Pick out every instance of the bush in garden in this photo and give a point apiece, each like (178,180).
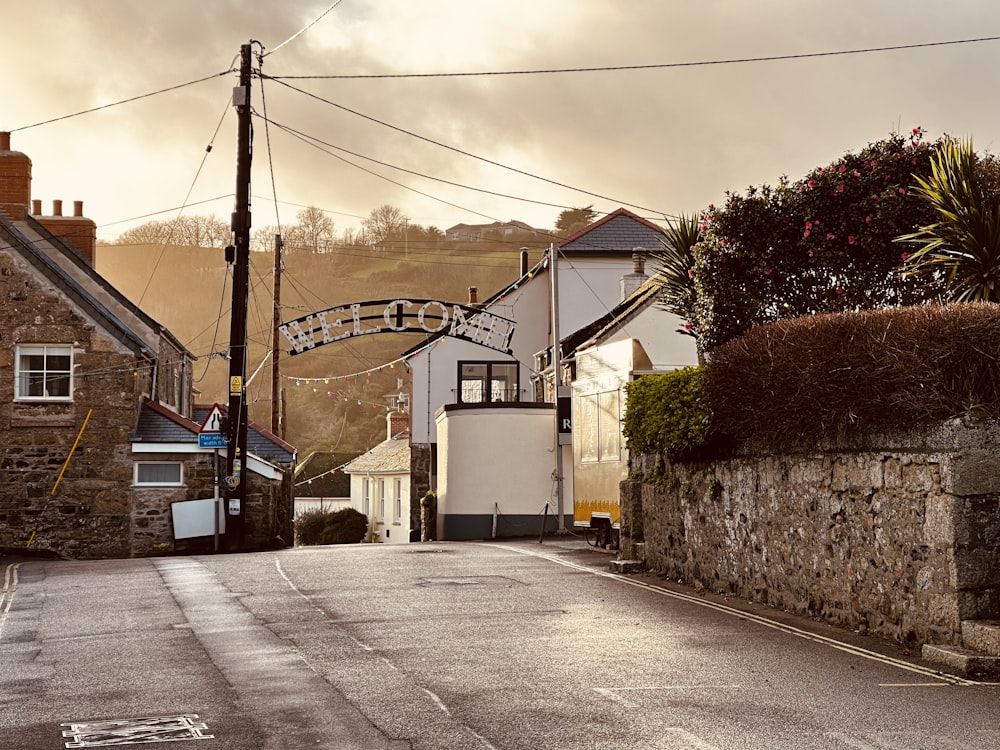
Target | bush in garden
(344,526)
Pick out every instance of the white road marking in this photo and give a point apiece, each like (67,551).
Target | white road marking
(7,592)
(759,619)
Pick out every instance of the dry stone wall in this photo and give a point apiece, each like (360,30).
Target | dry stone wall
(895,534)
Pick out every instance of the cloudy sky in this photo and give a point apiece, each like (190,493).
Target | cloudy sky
(660,140)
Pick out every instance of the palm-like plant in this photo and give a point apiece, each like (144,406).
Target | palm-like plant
(963,246)
(674,266)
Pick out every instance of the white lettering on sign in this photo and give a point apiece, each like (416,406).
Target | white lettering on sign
(328,326)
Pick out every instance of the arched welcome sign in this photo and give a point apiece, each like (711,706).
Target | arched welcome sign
(398,316)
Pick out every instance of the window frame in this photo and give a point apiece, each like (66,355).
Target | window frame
(48,375)
(487,383)
(136,481)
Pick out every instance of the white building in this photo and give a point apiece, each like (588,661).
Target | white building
(484,425)
(380,484)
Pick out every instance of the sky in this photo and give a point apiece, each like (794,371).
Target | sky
(660,141)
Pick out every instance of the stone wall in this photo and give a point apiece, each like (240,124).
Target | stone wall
(895,534)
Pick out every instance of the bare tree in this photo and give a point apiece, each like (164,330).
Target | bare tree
(384,223)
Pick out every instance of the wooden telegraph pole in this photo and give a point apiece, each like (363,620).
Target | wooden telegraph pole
(239,255)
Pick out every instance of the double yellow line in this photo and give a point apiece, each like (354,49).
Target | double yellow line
(7,592)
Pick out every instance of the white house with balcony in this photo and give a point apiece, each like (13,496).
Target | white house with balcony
(484,429)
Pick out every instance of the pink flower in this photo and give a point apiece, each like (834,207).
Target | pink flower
(868,220)
(805,233)
(812,183)
(842,169)
(690,273)
(916,131)
(856,173)
(850,239)
(809,225)
(810,253)
(840,290)
(902,191)
(830,235)
(687,326)
(767,271)
(904,256)
(840,188)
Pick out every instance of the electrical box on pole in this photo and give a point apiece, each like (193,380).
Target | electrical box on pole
(239,255)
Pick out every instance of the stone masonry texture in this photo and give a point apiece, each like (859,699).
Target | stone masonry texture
(892,534)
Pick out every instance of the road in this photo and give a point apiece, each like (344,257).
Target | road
(478,646)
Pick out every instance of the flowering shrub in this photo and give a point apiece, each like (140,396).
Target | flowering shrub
(822,244)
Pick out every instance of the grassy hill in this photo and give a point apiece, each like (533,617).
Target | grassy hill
(188,289)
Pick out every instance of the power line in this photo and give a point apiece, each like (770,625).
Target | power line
(304,28)
(654,66)
(123,101)
(462,152)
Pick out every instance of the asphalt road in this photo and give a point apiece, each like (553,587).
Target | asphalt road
(483,646)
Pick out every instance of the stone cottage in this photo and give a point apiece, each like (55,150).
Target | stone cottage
(80,367)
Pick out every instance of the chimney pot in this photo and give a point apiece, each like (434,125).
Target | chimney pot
(4,141)
(57,208)
(639,260)
(36,207)
(77,208)
(473,295)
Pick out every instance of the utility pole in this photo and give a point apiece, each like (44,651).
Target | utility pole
(557,473)
(239,255)
(277,422)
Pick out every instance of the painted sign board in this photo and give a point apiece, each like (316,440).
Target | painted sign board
(211,440)
(398,316)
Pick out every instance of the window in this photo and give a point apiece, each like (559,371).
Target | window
(367,487)
(44,373)
(598,420)
(487,382)
(381,499)
(397,512)
(159,474)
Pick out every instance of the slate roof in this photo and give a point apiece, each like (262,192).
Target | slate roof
(388,457)
(618,233)
(157,424)
(619,315)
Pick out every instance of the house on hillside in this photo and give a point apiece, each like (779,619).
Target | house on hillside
(380,484)
(98,431)
(496,229)
(484,426)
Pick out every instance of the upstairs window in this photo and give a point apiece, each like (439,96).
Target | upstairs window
(487,382)
(44,373)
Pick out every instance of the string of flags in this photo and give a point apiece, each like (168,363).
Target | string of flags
(326,380)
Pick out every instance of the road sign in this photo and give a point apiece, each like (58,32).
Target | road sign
(211,440)
(213,422)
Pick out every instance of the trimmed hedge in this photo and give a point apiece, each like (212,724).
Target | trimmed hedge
(667,413)
(817,378)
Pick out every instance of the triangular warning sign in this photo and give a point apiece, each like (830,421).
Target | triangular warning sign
(213,422)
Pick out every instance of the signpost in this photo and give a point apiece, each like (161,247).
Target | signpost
(211,436)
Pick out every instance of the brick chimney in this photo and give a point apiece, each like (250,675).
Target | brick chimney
(76,230)
(15,180)
(16,203)
(397,423)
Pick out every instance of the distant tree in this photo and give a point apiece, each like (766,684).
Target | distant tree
(192,231)
(384,223)
(572,220)
(962,244)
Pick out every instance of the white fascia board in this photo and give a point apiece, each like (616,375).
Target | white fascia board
(254,464)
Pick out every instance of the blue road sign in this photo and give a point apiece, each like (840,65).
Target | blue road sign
(211,440)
